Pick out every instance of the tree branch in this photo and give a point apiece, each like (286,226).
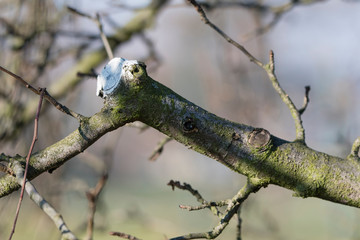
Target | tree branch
(233,206)
(43,204)
(250,151)
(269,68)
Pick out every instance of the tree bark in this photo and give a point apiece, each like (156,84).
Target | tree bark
(250,151)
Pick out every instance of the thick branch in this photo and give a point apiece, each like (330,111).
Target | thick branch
(76,142)
(250,151)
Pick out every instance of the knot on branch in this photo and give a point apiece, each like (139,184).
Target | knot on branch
(189,125)
(259,138)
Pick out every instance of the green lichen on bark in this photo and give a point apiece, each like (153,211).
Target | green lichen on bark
(292,165)
(247,150)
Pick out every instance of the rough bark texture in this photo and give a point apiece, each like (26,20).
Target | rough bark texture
(247,150)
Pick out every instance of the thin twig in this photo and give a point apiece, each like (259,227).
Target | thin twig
(306,100)
(278,13)
(124,235)
(224,35)
(43,204)
(92,196)
(195,193)
(42,91)
(97,20)
(203,206)
(238,227)
(270,70)
(46,95)
(91,74)
(103,37)
(160,147)
(233,207)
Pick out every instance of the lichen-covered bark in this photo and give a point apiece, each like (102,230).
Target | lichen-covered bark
(57,154)
(247,150)
(292,165)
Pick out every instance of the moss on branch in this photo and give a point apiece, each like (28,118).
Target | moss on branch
(250,151)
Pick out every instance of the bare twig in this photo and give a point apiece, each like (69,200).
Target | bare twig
(185,186)
(306,100)
(158,150)
(46,95)
(97,20)
(195,193)
(238,227)
(270,70)
(92,196)
(103,37)
(224,35)
(42,91)
(263,29)
(203,206)
(91,74)
(124,235)
(233,206)
(278,13)
(43,204)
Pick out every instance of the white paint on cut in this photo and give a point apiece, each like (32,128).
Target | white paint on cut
(112,75)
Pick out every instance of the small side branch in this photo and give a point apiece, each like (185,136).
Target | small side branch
(92,196)
(158,150)
(270,70)
(196,194)
(46,95)
(42,91)
(97,20)
(34,195)
(233,206)
(124,235)
(224,35)
(306,100)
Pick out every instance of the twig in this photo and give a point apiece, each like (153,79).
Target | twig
(92,196)
(104,38)
(124,235)
(91,74)
(203,206)
(233,207)
(270,70)
(100,26)
(224,35)
(195,193)
(306,100)
(278,13)
(263,29)
(42,91)
(238,227)
(43,204)
(158,150)
(46,95)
